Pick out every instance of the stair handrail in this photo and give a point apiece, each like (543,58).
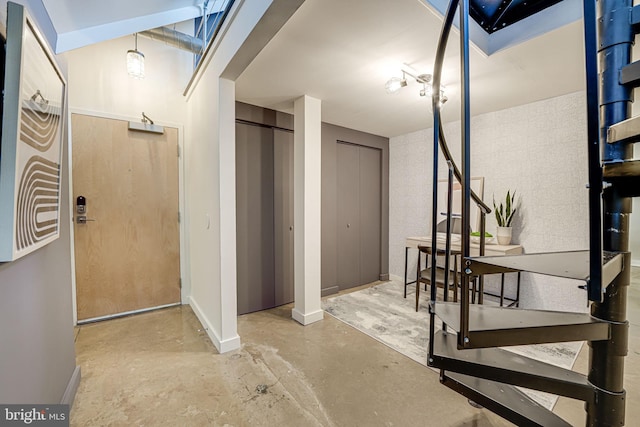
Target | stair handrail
(440,140)
(484,208)
(437,71)
(449,216)
(437,75)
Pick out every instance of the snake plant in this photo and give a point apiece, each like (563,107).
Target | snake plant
(504,213)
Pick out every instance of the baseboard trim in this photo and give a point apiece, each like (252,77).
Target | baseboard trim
(635,262)
(72,387)
(384,277)
(307,319)
(329,291)
(229,344)
(223,346)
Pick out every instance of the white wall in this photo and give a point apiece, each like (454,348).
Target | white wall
(539,150)
(210,179)
(202,179)
(98,79)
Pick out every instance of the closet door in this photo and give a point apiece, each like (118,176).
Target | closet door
(359,214)
(370,213)
(348,228)
(255,218)
(283,215)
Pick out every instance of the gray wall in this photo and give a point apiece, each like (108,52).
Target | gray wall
(37,357)
(330,135)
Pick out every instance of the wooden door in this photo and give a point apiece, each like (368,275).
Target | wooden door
(127,254)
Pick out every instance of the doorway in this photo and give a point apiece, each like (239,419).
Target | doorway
(127,247)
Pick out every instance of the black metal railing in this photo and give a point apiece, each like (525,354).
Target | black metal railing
(462,177)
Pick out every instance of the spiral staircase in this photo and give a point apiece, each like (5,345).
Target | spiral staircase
(466,348)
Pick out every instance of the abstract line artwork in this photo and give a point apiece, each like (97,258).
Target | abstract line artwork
(37,202)
(31,141)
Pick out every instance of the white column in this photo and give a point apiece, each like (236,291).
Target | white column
(229,339)
(307,179)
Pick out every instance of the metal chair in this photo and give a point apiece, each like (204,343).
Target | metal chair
(424,275)
(454,279)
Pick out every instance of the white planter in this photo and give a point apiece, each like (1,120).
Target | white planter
(504,235)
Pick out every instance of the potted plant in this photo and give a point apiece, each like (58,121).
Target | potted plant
(504,216)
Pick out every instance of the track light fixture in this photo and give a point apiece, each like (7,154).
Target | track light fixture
(394,84)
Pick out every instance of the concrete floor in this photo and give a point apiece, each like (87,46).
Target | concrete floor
(160,368)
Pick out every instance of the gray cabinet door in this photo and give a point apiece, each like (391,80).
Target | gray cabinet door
(359,214)
(255,218)
(283,215)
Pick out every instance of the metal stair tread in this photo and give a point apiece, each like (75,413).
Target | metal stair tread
(626,130)
(505,400)
(508,367)
(501,327)
(621,168)
(630,74)
(569,264)
(624,174)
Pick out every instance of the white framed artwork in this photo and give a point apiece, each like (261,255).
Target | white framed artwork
(31,143)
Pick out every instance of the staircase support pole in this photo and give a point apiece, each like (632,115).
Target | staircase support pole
(465,128)
(606,358)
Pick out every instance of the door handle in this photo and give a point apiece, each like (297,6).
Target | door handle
(82,219)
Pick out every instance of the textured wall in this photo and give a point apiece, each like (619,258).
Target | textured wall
(538,149)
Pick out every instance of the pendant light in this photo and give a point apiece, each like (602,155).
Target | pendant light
(135,61)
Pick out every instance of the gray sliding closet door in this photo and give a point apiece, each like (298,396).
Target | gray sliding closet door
(359,214)
(283,215)
(370,213)
(255,218)
(348,216)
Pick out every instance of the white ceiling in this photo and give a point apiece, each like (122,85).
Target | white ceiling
(342,52)
(80,23)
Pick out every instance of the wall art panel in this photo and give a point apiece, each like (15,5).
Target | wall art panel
(31,144)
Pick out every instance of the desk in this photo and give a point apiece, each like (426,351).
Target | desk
(489,250)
